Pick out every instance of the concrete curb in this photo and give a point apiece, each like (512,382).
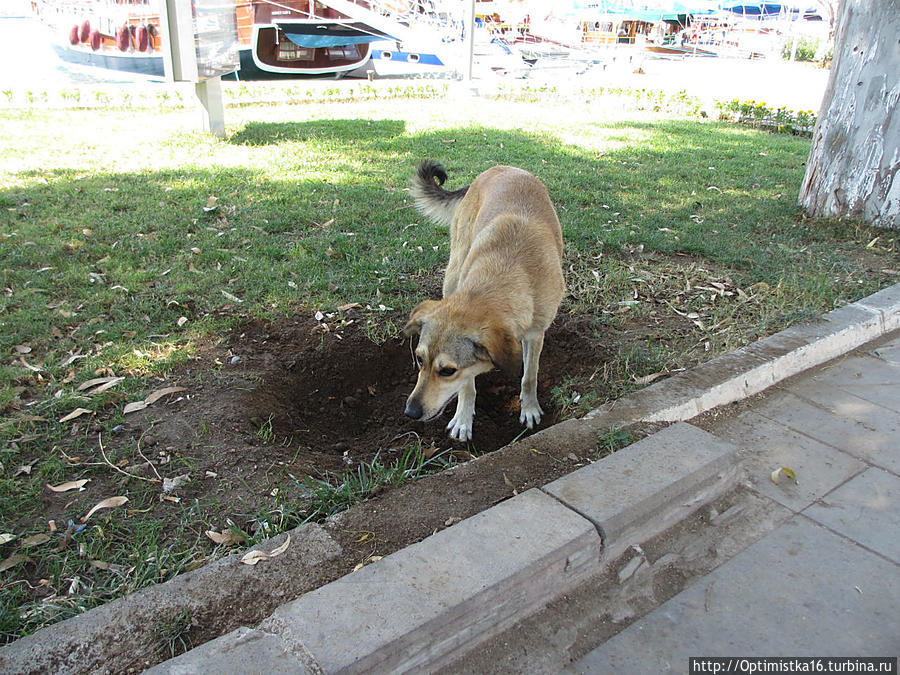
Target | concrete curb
(743,372)
(79,644)
(423,606)
(433,601)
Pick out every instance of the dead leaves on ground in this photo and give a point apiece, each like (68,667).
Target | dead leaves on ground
(69,485)
(785,471)
(710,300)
(135,406)
(108,503)
(256,556)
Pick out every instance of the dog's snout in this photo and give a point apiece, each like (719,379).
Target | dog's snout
(413,409)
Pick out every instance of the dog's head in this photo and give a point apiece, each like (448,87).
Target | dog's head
(456,343)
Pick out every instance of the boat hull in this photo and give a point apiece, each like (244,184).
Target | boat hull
(263,29)
(141,64)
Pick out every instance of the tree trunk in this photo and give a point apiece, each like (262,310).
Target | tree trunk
(854,164)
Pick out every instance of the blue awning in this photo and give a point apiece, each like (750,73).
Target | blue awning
(331,35)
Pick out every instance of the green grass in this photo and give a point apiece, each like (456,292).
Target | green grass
(323,497)
(683,240)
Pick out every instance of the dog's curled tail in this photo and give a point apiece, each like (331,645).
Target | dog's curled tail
(429,195)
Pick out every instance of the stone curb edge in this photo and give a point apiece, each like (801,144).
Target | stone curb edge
(743,372)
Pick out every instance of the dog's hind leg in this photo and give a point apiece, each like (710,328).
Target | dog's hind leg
(461,425)
(531,355)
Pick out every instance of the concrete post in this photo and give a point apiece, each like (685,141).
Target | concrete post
(212,110)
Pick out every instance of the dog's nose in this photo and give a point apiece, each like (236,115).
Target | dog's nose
(413,409)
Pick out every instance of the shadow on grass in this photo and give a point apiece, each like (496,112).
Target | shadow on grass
(344,229)
(347,130)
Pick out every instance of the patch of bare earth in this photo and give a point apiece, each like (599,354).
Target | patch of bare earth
(274,402)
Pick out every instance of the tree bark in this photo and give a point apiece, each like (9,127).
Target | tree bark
(854,164)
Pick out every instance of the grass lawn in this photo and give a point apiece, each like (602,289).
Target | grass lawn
(126,239)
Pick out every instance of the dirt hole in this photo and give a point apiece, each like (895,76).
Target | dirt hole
(304,397)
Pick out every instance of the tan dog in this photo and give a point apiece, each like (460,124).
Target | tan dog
(502,287)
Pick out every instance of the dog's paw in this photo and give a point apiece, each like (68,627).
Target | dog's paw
(461,430)
(531,414)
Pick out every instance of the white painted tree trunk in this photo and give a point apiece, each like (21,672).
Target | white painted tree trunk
(854,165)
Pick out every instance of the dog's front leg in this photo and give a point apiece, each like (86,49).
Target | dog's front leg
(461,425)
(531,355)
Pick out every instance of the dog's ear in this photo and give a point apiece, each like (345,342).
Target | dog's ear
(502,348)
(417,317)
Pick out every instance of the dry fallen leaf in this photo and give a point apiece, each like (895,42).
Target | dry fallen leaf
(159,393)
(11,561)
(70,485)
(101,384)
(134,406)
(786,471)
(103,565)
(211,204)
(35,540)
(34,369)
(647,379)
(226,538)
(370,559)
(170,484)
(108,503)
(78,412)
(254,557)
(6,537)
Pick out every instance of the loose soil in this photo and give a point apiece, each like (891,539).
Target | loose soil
(274,402)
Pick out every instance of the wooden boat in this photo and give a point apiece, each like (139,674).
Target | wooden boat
(275,38)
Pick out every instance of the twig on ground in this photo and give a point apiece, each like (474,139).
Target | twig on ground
(130,475)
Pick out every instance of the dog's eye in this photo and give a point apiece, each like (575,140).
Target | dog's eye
(447,372)
(419,361)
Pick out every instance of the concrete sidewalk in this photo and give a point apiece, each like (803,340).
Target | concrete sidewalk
(826,581)
(798,567)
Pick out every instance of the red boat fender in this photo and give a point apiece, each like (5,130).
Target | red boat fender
(85,32)
(142,38)
(74,35)
(95,40)
(123,39)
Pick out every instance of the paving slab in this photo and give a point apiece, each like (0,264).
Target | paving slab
(800,591)
(445,594)
(768,445)
(646,487)
(874,379)
(864,509)
(241,652)
(889,352)
(856,425)
(872,442)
